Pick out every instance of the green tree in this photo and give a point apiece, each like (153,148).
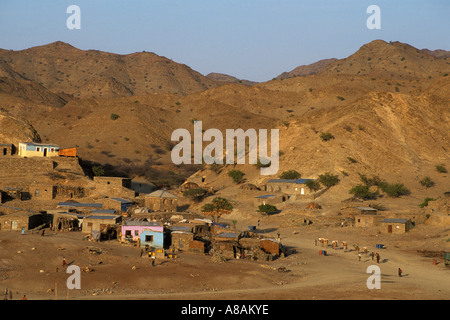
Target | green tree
(362,191)
(114,116)
(290,174)
(328,179)
(313,185)
(395,189)
(218,207)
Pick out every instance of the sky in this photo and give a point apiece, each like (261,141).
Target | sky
(250,39)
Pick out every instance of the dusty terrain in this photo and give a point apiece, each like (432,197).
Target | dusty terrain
(120,273)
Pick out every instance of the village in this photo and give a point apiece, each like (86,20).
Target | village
(55,196)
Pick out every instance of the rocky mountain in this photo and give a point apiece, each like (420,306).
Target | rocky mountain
(62,68)
(220,77)
(387,107)
(306,70)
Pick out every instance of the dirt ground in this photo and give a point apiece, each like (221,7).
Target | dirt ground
(31,265)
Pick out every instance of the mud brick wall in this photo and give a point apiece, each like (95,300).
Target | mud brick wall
(19,167)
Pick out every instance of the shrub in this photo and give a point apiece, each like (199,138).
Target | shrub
(425,202)
(340,98)
(328,179)
(427,182)
(114,116)
(441,168)
(352,160)
(325,136)
(195,194)
(290,174)
(267,209)
(98,171)
(236,175)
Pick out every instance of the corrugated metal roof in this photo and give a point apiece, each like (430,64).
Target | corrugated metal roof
(76,204)
(394,220)
(102,217)
(121,200)
(103,211)
(266,196)
(227,235)
(296,181)
(161,194)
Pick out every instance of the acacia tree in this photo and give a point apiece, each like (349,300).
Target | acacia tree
(218,207)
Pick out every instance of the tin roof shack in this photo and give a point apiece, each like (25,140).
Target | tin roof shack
(21,219)
(227,243)
(99,226)
(115,187)
(118,204)
(395,225)
(6,150)
(66,221)
(31,149)
(80,207)
(269,199)
(353,211)
(367,219)
(293,187)
(161,200)
(42,191)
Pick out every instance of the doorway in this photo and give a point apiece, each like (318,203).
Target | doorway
(45,152)
(390,228)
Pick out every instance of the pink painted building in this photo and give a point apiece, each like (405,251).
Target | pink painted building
(133,229)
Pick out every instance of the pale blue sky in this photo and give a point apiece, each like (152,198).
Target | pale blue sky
(250,39)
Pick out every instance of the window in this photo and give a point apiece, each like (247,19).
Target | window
(136,232)
(127,233)
(36,192)
(38,149)
(148,238)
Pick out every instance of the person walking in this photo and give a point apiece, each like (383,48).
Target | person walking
(153,261)
(359,256)
(400,271)
(64,262)
(378,258)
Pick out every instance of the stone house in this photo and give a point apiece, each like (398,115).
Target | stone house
(365,220)
(6,150)
(161,200)
(117,204)
(42,191)
(295,187)
(395,225)
(19,220)
(96,223)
